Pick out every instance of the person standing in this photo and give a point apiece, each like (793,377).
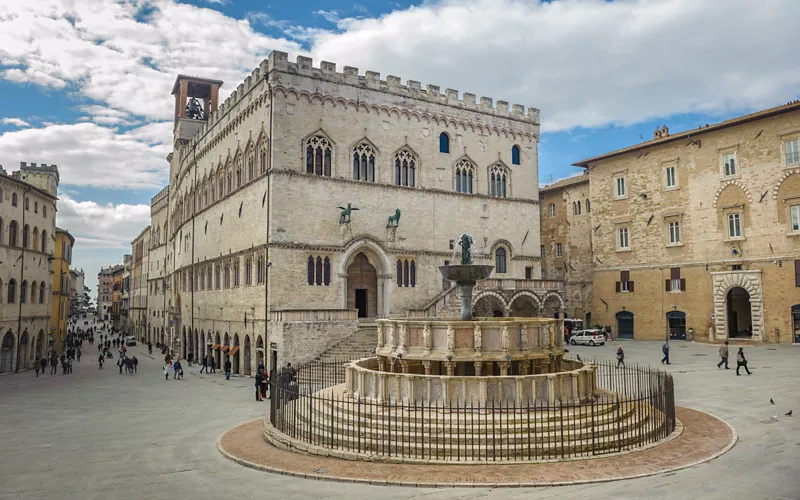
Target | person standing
(44,364)
(620,356)
(135,364)
(212,364)
(259,380)
(78,352)
(228,369)
(37,365)
(723,354)
(741,361)
(264,383)
(167,366)
(205,366)
(189,358)
(665,350)
(175,367)
(100,360)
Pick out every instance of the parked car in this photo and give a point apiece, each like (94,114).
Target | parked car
(130,340)
(588,337)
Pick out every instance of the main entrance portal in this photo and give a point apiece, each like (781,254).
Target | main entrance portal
(676,322)
(740,322)
(362,287)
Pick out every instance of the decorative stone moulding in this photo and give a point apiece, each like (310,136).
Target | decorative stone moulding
(575,384)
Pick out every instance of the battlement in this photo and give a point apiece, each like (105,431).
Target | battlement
(164,193)
(44,167)
(279,61)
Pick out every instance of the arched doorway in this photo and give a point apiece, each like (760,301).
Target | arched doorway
(552,306)
(183,346)
(676,322)
(40,344)
(201,349)
(22,352)
(488,305)
(796,323)
(625,325)
(196,349)
(235,354)
(217,355)
(524,305)
(738,312)
(362,287)
(7,352)
(247,367)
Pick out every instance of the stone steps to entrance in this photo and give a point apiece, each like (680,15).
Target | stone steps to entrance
(359,344)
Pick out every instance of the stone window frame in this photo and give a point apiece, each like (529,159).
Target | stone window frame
(551,210)
(406,272)
(727,151)
(248,271)
(785,138)
(669,219)
(411,177)
(465,167)
(615,177)
(364,149)
(792,203)
(559,250)
(502,175)
(319,140)
(559,272)
(666,165)
(620,227)
(727,211)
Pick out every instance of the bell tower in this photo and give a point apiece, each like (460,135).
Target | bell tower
(195,99)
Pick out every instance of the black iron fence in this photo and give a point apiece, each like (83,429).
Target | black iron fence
(632,407)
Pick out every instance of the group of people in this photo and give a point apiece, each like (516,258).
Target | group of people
(741,360)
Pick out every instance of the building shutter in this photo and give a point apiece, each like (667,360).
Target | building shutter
(683,285)
(675,273)
(797,273)
(668,285)
(619,286)
(630,286)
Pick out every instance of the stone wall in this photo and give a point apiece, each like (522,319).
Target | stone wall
(299,342)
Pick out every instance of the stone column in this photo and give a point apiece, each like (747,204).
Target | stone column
(381,363)
(504,368)
(523,367)
(404,366)
(427,366)
(478,365)
(450,366)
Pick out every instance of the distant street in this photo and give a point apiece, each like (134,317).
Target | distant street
(97,434)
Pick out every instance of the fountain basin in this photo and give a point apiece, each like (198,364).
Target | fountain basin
(463,274)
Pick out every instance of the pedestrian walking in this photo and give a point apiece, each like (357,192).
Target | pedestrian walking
(44,364)
(135,364)
(167,366)
(175,367)
(264,384)
(665,350)
(204,368)
(620,356)
(259,380)
(37,365)
(78,352)
(100,360)
(228,369)
(53,364)
(69,365)
(189,358)
(723,354)
(741,361)
(212,365)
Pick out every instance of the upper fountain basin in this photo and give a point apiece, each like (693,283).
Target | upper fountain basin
(466,273)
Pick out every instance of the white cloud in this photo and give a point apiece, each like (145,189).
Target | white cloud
(126,54)
(586,62)
(17,122)
(103,115)
(101,226)
(91,155)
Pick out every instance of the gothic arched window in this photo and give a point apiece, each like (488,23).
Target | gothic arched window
(318,156)
(444,143)
(327,272)
(26,240)
(319,271)
(500,260)
(14,199)
(12,291)
(588,207)
(41,292)
(515,155)
(399,273)
(23,292)
(44,241)
(251,168)
(405,168)
(310,270)
(405,273)
(364,163)
(413,274)
(465,172)
(13,229)
(499,179)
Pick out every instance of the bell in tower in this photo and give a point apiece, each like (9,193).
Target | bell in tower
(195,99)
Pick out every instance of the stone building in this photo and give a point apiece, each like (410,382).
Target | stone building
(104,292)
(698,233)
(76,301)
(125,304)
(116,295)
(27,228)
(140,248)
(157,275)
(566,242)
(59,311)
(311,201)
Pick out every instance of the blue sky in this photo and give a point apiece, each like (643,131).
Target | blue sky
(86,85)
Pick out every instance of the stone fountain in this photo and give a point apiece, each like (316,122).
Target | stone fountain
(466,275)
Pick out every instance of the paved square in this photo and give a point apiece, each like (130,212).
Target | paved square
(98,434)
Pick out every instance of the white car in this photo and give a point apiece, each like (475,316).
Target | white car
(588,337)
(130,340)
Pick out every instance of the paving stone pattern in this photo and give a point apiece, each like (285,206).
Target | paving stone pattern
(99,435)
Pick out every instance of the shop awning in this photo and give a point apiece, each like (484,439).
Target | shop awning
(224,348)
(215,346)
(234,350)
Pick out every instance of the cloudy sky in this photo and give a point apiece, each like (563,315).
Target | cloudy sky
(86,84)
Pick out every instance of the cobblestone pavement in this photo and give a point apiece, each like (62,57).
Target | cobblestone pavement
(99,435)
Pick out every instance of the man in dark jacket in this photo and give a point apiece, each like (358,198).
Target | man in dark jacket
(259,380)
(204,368)
(212,365)
(228,369)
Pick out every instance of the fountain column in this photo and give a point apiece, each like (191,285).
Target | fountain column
(465,294)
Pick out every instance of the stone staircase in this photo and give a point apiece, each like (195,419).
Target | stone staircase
(358,345)
(338,422)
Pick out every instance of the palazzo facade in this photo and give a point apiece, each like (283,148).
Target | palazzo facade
(312,199)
